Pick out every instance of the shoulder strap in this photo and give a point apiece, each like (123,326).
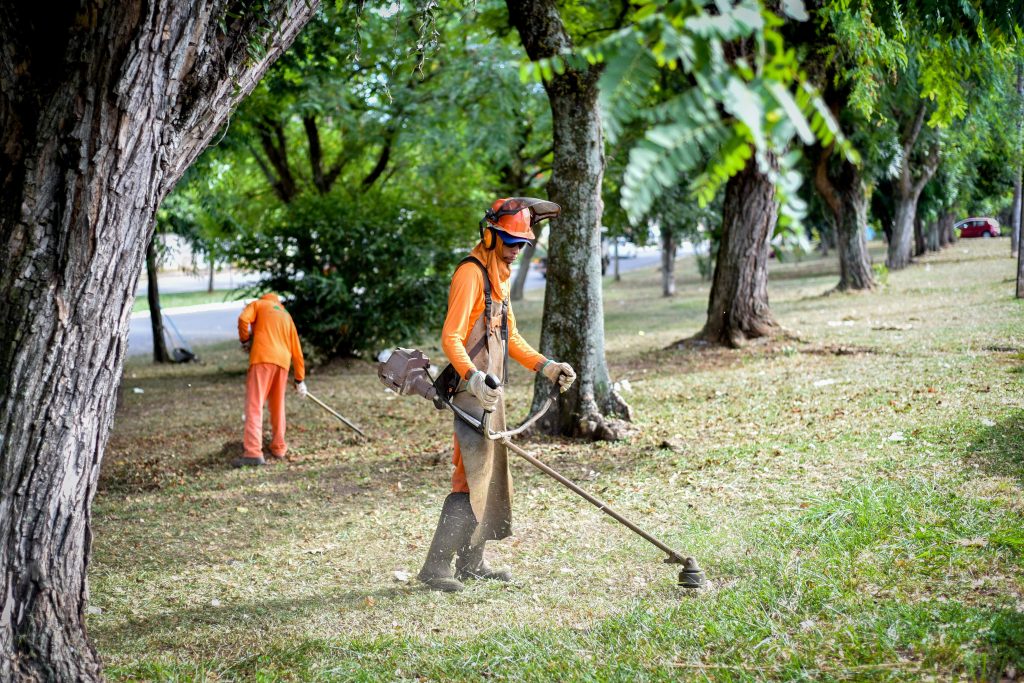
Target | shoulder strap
(487,287)
(487,310)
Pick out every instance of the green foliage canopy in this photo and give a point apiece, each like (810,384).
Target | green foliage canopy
(359,273)
(743,96)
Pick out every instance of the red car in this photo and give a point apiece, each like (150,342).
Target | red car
(978,227)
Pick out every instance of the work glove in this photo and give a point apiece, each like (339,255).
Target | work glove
(300,388)
(247,345)
(561,374)
(487,396)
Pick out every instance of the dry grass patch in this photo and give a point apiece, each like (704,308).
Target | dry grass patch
(853,491)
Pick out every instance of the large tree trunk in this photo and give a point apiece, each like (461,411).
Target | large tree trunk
(102,108)
(1020,273)
(738,306)
(1017,199)
(1015,222)
(572,329)
(1015,213)
(156,318)
(908,191)
(854,260)
(900,246)
(668,262)
(519,281)
(919,241)
(932,239)
(842,188)
(946,221)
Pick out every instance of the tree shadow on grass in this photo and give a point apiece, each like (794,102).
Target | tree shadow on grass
(253,614)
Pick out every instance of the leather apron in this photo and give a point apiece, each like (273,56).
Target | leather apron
(486,461)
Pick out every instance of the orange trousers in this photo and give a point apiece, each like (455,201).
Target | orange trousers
(266,383)
(459,483)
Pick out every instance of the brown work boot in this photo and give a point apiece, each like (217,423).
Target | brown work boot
(453,531)
(243,461)
(471,564)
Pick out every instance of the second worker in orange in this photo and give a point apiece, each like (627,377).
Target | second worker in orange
(268,333)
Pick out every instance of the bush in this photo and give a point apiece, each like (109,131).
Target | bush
(356,274)
(881,273)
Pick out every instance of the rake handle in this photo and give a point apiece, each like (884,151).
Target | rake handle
(336,414)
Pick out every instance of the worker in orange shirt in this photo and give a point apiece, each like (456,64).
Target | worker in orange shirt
(479,336)
(268,333)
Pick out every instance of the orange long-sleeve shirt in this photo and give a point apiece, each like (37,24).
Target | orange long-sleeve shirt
(274,337)
(465,305)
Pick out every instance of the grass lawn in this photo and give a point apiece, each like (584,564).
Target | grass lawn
(177,299)
(852,490)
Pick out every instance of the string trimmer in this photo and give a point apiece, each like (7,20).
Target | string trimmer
(405,372)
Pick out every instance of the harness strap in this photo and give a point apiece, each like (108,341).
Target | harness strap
(480,345)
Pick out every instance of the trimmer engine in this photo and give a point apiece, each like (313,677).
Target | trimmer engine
(405,373)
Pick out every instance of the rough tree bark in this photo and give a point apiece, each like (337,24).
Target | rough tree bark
(738,306)
(946,221)
(1015,216)
(932,238)
(668,263)
(519,280)
(842,188)
(1017,198)
(102,108)
(908,191)
(156,318)
(919,236)
(1020,273)
(572,329)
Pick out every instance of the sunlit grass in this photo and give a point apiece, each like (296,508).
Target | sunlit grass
(178,299)
(852,489)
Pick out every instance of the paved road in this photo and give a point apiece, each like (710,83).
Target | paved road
(173,283)
(218,322)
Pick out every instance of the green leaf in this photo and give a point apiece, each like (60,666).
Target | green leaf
(740,101)
(793,112)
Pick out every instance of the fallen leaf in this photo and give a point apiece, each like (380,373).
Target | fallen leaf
(977,542)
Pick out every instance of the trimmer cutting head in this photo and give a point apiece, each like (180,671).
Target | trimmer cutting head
(691,575)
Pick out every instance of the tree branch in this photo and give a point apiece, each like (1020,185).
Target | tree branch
(382,159)
(272,180)
(275,145)
(823,184)
(931,165)
(315,153)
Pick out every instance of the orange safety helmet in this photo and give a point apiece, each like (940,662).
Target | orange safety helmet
(512,219)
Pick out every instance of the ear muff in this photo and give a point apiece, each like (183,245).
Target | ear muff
(485,229)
